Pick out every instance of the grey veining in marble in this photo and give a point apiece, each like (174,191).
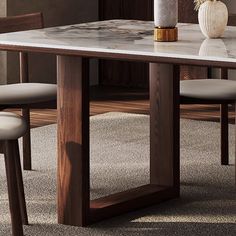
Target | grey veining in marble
(128,37)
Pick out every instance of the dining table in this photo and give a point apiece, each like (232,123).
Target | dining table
(123,40)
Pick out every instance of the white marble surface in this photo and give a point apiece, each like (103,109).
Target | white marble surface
(127,37)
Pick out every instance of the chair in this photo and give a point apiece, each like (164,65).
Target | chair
(13,127)
(25,95)
(212,91)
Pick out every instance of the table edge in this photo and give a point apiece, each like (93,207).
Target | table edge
(120,56)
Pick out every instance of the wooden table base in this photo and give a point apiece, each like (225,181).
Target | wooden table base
(74,205)
(133,199)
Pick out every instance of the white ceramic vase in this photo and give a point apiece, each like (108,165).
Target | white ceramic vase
(213,18)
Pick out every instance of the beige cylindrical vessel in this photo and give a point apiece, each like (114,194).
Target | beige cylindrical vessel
(165,13)
(165,20)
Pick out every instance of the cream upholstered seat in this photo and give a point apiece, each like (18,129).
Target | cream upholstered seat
(25,93)
(208,89)
(212,91)
(12,126)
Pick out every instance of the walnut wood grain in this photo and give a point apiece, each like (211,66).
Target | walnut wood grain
(24,78)
(20,185)
(187,14)
(129,200)
(21,22)
(12,184)
(27,161)
(73,141)
(224,121)
(193,72)
(74,207)
(164,128)
(224,134)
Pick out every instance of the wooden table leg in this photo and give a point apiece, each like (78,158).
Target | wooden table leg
(164,118)
(27,159)
(164,156)
(73,141)
(74,205)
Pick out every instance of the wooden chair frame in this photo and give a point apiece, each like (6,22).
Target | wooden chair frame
(224,118)
(15,186)
(21,23)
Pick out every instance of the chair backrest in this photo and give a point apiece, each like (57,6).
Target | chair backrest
(232,20)
(21,22)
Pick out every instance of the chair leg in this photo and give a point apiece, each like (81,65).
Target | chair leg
(224,134)
(1,147)
(14,203)
(20,186)
(235,143)
(27,165)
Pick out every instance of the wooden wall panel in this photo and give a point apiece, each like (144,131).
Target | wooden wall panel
(125,74)
(126,9)
(110,9)
(187,14)
(138,9)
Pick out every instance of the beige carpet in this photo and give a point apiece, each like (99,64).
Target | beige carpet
(119,159)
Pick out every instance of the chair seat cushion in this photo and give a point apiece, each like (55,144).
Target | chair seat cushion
(27,93)
(208,89)
(12,126)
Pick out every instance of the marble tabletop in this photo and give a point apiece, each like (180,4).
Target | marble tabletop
(126,37)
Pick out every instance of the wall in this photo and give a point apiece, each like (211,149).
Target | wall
(231,4)
(56,12)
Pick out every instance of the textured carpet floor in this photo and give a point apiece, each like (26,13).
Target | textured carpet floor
(119,160)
